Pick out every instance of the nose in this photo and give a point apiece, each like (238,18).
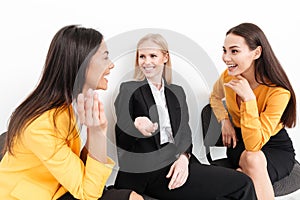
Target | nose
(111,65)
(226,57)
(147,60)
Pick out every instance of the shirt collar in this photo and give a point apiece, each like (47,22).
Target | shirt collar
(153,88)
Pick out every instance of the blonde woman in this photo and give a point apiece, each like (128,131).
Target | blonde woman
(154,138)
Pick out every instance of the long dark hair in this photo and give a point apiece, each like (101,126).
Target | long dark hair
(268,70)
(69,48)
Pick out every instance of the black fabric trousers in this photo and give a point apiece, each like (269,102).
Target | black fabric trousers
(205,182)
(108,194)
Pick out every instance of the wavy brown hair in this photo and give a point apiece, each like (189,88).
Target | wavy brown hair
(268,70)
(69,48)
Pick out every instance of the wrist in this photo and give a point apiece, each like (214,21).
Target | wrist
(187,155)
(223,121)
(249,98)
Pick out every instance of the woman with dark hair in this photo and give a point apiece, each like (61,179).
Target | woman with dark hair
(43,143)
(261,103)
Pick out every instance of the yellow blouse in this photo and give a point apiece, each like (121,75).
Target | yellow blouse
(46,164)
(258,119)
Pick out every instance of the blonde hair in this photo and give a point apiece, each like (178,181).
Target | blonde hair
(162,43)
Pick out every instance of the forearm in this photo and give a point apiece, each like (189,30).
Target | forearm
(257,128)
(96,145)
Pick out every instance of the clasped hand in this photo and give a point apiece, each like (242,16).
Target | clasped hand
(91,111)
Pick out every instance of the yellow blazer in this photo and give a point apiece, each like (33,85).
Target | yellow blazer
(46,163)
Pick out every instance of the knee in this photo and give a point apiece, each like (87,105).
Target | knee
(135,196)
(252,160)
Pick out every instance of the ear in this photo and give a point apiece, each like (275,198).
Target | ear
(257,52)
(166,57)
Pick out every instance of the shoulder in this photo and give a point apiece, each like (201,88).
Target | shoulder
(54,119)
(276,95)
(49,132)
(278,91)
(131,85)
(225,76)
(175,88)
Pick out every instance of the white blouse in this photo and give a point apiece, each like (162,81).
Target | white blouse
(163,113)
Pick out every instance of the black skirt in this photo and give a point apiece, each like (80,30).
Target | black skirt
(279,152)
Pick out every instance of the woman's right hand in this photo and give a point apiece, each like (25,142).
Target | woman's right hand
(228,134)
(145,126)
(91,111)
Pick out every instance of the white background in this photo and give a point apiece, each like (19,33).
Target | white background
(27,28)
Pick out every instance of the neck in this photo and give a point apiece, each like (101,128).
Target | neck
(156,83)
(250,76)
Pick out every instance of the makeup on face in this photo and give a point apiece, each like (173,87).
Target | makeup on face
(151,60)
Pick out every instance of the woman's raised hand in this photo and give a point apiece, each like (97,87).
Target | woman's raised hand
(145,126)
(91,111)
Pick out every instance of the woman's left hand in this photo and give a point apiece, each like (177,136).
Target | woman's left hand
(91,111)
(242,88)
(179,172)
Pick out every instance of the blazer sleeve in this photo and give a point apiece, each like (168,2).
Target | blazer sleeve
(54,151)
(126,133)
(184,129)
(179,117)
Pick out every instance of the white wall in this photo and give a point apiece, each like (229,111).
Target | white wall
(27,28)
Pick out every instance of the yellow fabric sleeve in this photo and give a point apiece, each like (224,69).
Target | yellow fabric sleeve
(216,98)
(61,158)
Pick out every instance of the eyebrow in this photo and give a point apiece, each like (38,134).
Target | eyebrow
(106,52)
(231,47)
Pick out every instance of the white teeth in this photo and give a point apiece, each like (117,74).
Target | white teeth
(230,66)
(148,68)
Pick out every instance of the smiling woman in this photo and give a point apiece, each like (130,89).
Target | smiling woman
(154,138)
(98,69)
(43,156)
(261,102)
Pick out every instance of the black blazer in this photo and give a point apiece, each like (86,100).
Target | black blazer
(135,99)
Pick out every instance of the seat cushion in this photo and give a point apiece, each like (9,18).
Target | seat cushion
(284,186)
(288,184)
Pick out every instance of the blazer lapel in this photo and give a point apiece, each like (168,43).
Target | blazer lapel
(173,106)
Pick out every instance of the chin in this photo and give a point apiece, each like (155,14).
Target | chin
(231,74)
(234,73)
(102,87)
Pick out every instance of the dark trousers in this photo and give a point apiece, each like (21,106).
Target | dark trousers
(108,194)
(205,182)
